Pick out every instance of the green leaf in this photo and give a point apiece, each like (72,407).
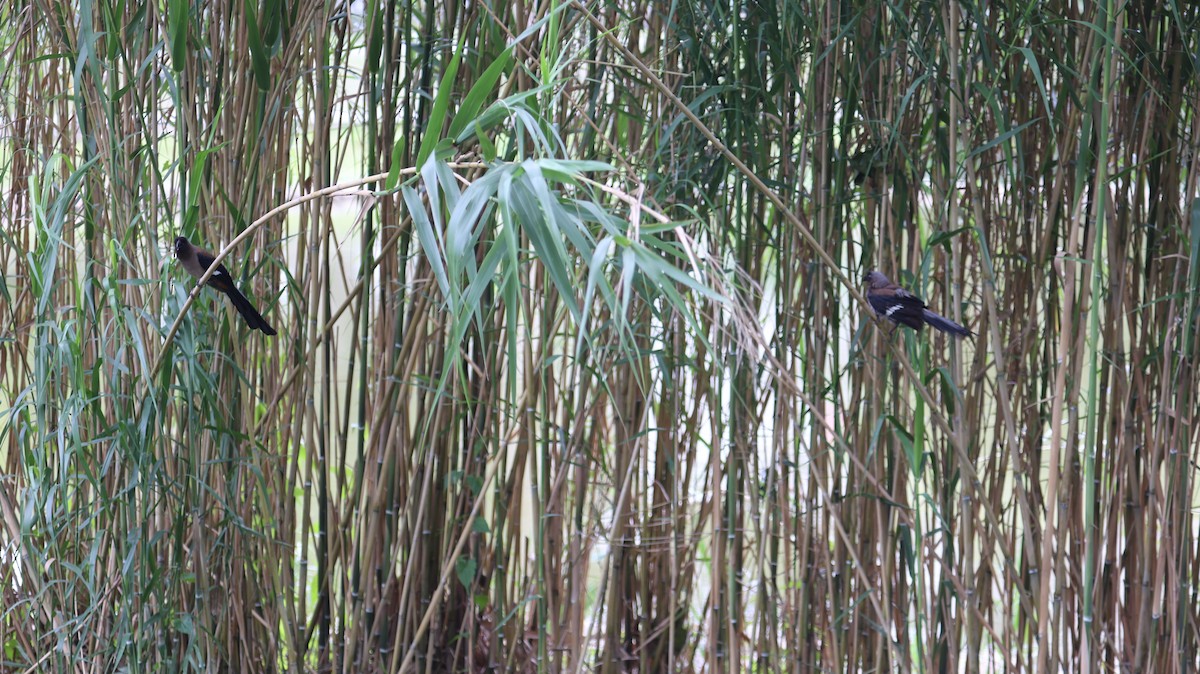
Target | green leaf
(258,53)
(1002,138)
(906,440)
(546,241)
(465,568)
(595,277)
(428,238)
(441,104)
(943,238)
(196,174)
(397,158)
(271,22)
(1031,59)
(1191,310)
(566,171)
(654,266)
(177,30)
(466,116)
(481,281)
(475,484)
(949,390)
(375,35)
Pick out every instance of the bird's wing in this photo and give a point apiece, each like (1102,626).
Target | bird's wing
(902,307)
(221,279)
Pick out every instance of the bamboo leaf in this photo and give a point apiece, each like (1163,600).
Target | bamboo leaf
(429,240)
(258,52)
(1002,138)
(465,569)
(441,107)
(473,102)
(178,12)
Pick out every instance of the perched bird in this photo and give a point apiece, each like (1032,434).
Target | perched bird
(197,261)
(901,307)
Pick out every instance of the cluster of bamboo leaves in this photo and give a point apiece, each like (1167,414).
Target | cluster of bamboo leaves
(573,369)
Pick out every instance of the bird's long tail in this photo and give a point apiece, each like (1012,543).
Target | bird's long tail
(946,325)
(248,312)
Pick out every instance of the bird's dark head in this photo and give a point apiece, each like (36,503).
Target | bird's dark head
(182,246)
(875,279)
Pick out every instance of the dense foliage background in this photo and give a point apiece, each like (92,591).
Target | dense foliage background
(573,370)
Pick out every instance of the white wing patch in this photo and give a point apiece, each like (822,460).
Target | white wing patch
(891,310)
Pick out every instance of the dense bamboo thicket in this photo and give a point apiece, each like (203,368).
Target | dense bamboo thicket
(574,371)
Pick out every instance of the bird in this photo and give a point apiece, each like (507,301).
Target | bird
(901,307)
(197,261)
